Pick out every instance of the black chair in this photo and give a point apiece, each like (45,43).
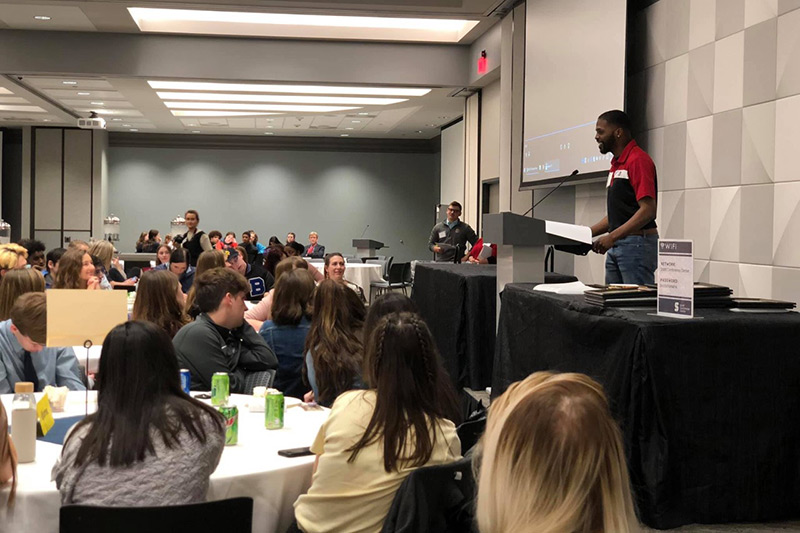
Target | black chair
(260,378)
(232,516)
(397,275)
(435,499)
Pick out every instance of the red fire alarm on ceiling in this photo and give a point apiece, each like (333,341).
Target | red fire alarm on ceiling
(483,64)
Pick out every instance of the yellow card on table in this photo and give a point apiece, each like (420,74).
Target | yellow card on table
(76,316)
(45,414)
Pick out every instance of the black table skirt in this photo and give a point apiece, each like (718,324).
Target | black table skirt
(458,302)
(709,408)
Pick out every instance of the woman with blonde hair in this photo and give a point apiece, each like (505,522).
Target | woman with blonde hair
(552,461)
(15,284)
(12,256)
(207,260)
(104,251)
(76,271)
(159,299)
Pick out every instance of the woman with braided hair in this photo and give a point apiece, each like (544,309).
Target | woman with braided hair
(374,438)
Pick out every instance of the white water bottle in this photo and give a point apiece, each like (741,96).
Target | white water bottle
(23,422)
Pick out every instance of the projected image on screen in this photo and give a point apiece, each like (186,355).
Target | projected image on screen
(574,70)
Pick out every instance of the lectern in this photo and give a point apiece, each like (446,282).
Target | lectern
(520,244)
(366,247)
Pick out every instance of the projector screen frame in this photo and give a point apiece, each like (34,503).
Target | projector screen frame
(581,178)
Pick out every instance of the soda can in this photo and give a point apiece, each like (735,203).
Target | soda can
(231,414)
(273,409)
(220,388)
(186,380)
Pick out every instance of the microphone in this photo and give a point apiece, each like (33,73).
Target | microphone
(365,230)
(565,178)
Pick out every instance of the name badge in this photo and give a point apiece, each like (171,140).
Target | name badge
(622,174)
(610,177)
(44,414)
(442,234)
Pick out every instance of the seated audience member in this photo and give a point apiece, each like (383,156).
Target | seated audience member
(160,300)
(15,284)
(262,310)
(334,269)
(373,439)
(290,238)
(257,277)
(286,332)
(53,257)
(386,304)
(314,249)
(552,460)
(251,251)
(100,272)
(36,251)
(76,271)
(273,241)
(79,244)
(474,254)
(274,256)
(12,256)
(334,349)
(168,242)
(104,251)
(149,443)
(152,243)
(162,254)
(140,242)
(215,238)
(206,261)
(219,340)
(292,249)
(179,265)
(23,354)
(260,248)
(8,458)
(229,240)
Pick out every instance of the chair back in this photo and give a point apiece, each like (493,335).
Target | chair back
(261,378)
(232,516)
(385,265)
(396,272)
(407,275)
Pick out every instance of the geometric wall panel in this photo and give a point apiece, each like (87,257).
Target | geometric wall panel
(787,138)
(676,89)
(788,55)
(755,227)
(654,146)
(725,216)
(671,214)
(786,225)
(701,270)
(730,17)
(784,6)
(758,143)
(728,71)
(755,281)
(677,36)
(726,154)
(786,284)
(702,22)
(724,274)
(656,37)
(760,56)
(672,174)
(699,146)
(701,82)
(654,95)
(757,11)
(697,225)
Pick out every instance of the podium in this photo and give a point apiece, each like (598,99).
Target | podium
(520,245)
(366,247)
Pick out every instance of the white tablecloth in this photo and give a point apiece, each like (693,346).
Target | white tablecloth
(252,468)
(362,274)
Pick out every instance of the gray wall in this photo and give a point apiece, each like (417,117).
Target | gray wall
(273,192)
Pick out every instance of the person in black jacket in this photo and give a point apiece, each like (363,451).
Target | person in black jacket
(219,340)
(260,280)
(195,241)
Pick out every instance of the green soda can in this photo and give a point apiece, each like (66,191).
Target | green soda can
(220,389)
(273,409)
(231,414)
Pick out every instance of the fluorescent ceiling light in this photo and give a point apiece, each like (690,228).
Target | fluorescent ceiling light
(41,17)
(84,94)
(70,82)
(256,107)
(290,99)
(22,108)
(180,113)
(292,89)
(301,26)
(3,90)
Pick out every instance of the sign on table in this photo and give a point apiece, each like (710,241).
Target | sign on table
(675,278)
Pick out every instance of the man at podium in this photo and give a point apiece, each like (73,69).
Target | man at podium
(628,232)
(450,237)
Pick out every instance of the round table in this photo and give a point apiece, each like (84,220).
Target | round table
(362,274)
(252,468)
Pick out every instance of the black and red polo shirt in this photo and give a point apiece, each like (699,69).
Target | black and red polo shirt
(631,178)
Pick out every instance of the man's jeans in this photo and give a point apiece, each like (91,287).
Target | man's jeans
(633,260)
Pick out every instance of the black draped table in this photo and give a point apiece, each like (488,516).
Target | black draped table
(709,408)
(459,303)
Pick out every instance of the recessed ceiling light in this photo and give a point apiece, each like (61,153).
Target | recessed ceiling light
(291,89)
(41,17)
(344,135)
(279,98)
(431,125)
(116,119)
(270,119)
(356,121)
(84,94)
(181,113)
(45,120)
(97,103)
(192,124)
(349,128)
(268,133)
(70,82)
(364,113)
(195,131)
(126,125)
(418,131)
(221,106)
(133,129)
